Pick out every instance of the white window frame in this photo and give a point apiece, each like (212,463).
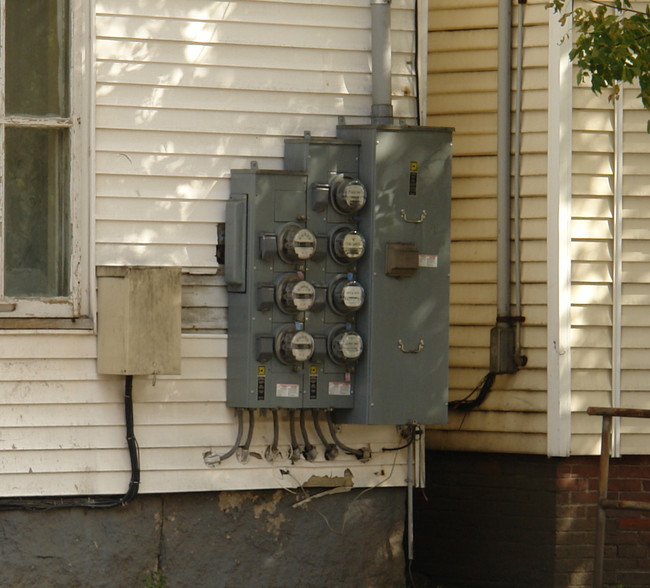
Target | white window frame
(76,304)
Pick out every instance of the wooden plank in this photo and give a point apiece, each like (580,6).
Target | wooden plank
(230,55)
(226,122)
(187,11)
(591,271)
(469,40)
(164,210)
(184,255)
(201,319)
(163,187)
(492,442)
(582,358)
(465,61)
(251,79)
(182,143)
(463,19)
(440,83)
(308,101)
(590,337)
(151,232)
(474,250)
(589,314)
(472,273)
(476,293)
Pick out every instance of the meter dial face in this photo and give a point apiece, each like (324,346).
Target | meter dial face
(348,195)
(346,296)
(295,243)
(345,347)
(294,294)
(347,244)
(292,346)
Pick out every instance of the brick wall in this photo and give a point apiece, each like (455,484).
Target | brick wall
(517,521)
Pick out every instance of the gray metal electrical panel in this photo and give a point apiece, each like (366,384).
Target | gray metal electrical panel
(338,276)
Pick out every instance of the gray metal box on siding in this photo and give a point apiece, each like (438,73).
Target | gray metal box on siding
(139,320)
(261,205)
(405,321)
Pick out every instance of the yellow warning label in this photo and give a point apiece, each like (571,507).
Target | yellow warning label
(414,166)
(261,370)
(313,370)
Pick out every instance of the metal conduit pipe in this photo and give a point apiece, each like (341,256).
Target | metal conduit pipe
(520,359)
(502,336)
(382,107)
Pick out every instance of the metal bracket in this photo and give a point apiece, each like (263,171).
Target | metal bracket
(407,220)
(400,345)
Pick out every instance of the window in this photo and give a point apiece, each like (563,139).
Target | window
(42,151)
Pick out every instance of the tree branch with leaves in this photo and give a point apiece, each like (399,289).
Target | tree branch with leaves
(612,45)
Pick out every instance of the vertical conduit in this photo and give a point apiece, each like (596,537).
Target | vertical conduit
(382,107)
(503,162)
(517,173)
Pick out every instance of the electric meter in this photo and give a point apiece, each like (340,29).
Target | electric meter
(346,295)
(293,346)
(346,244)
(295,243)
(344,346)
(293,294)
(347,195)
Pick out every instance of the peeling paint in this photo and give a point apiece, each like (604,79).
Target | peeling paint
(331,481)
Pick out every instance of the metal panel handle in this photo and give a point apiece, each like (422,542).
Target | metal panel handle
(423,215)
(400,345)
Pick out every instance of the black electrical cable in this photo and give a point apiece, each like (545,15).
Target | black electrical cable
(414,432)
(482,388)
(251,426)
(309,452)
(331,450)
(52,502)
(271,451)
(295,448)
(358,453)
(276,431)
(214,458)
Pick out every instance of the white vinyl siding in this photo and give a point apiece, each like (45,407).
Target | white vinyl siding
(185,91)
(463,94)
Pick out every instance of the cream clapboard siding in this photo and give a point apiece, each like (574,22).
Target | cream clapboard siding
(463,94)
(185,91)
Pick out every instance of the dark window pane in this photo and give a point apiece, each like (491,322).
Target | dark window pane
(36,57)
(37,231)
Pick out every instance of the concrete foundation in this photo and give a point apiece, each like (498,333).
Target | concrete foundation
(261,538)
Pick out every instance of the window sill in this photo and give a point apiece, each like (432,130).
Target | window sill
(80,323)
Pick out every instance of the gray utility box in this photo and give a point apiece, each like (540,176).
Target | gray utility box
(405,321)
(338,277)
(139,320)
